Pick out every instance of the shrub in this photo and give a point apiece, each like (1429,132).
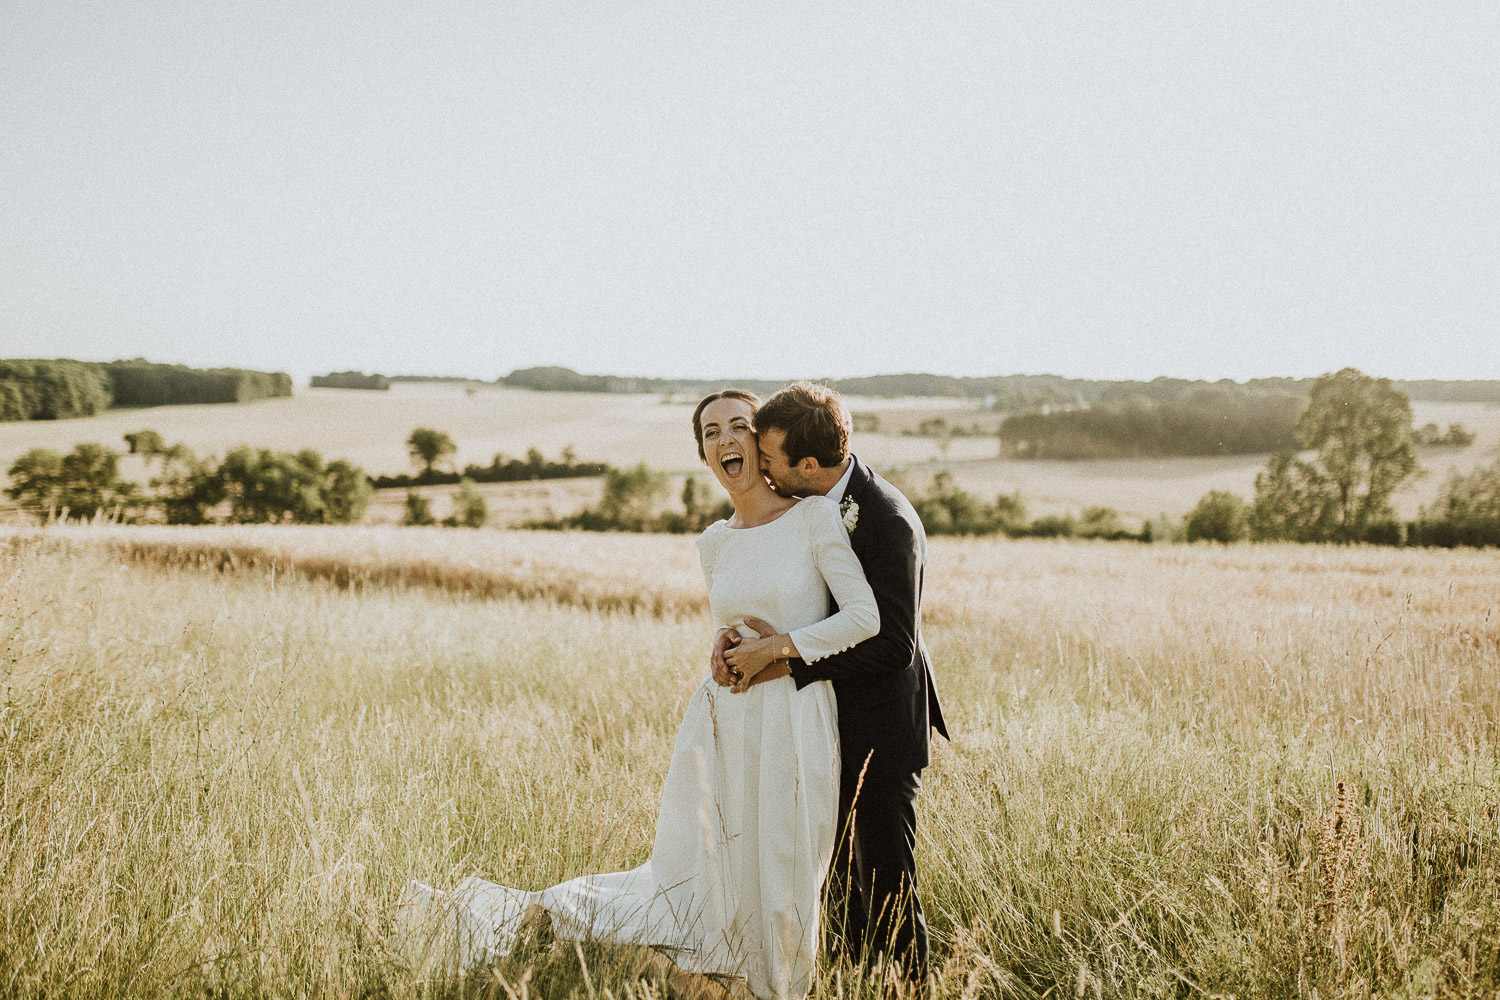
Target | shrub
(279,487)
(1218,517)
(418,511)
(80,484)
(469,507)
(1102,522)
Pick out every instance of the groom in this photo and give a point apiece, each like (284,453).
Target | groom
(886,699)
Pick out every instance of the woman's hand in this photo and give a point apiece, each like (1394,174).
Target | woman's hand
(751,656)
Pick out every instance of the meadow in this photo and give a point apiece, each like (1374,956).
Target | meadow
(370,429)
(1177,771)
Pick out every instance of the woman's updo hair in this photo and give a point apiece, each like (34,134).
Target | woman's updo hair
(743,394)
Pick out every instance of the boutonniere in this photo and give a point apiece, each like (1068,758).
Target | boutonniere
(850,510)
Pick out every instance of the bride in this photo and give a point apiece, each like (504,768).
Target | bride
(748,812)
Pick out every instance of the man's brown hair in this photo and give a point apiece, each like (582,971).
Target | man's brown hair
(815,420)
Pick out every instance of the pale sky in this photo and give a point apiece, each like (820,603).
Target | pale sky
(801,189)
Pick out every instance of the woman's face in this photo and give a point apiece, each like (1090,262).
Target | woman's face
(729,446)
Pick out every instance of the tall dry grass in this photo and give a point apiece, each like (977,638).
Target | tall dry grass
(1266,772)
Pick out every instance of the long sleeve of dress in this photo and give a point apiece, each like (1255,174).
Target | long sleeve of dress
(858,616)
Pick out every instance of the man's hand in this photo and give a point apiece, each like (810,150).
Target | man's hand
(744,668)
(778,669)
(724,640)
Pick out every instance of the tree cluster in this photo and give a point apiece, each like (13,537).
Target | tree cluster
(144,383)
(632,501)
(1159,418)
(1003,393)
(432,449)
(58,390)
(350,380)
(947,509)
(250,486)
(1429,436)
(1466,511)
(1359,431)
(470,510)
(52,390)
(1007,393)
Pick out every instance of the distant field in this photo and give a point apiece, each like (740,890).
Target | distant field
(370,428)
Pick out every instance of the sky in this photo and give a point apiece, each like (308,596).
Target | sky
(1100,190)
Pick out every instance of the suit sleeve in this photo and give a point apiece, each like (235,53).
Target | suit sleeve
(889,550)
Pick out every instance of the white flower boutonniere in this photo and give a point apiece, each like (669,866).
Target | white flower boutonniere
(850,510)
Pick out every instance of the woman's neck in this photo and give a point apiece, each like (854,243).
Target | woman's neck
(759,507)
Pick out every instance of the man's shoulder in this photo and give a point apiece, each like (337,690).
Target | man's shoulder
(873,486)
(883,498)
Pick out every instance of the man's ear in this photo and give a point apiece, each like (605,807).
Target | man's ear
(808,466)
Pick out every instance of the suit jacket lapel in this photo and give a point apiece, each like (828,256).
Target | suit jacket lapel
(858,480)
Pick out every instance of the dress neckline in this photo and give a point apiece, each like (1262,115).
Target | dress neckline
(763,524)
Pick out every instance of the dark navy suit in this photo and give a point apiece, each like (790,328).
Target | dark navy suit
(887,706)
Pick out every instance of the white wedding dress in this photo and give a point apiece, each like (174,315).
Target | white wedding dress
(749,809)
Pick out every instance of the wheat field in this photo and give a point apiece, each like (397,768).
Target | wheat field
(1177,771)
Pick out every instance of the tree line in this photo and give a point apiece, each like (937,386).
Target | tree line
(62,389)
(1003,393)
(250,485)
(1164,417)
(1356,429)
(431,449)
(350,380)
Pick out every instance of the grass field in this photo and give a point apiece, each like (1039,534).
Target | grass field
(370,428)
(224,751)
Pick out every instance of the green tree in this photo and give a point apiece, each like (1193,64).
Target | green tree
(1101,522)
(469,507)
(185,488)
(265,487)
(1163,528)
(91,481)
(1361,429)
(80,484)
(1466,510)
(1218,517)
(36,482)
(631,495)
(346,492)
(418,511)
(1011,513)
(428,447)
(948,509)
(1293,502)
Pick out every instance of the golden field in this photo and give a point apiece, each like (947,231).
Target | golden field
(370,429)
(224,751)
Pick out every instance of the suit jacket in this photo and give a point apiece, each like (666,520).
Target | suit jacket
(887,700)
